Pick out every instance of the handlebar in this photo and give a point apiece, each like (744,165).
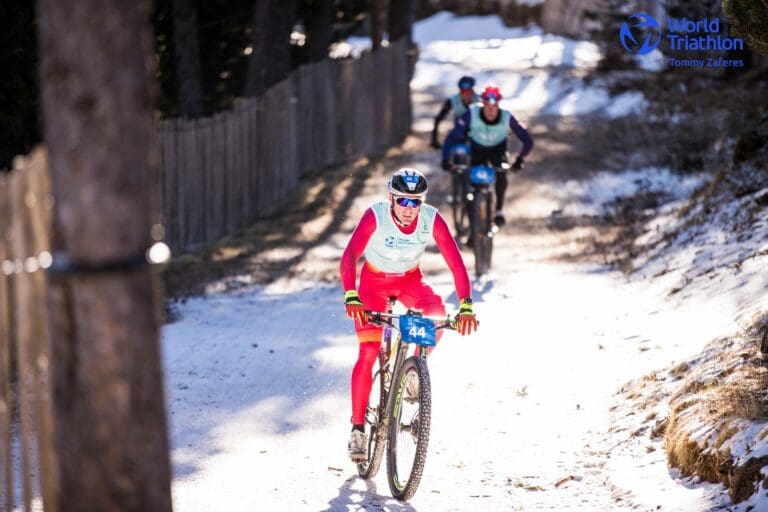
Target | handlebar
(462,168)
(378,318)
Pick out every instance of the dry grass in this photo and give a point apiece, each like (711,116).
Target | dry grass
(745,399)
(722,393)
(680,370)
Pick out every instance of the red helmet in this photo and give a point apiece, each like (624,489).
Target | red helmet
(491,94)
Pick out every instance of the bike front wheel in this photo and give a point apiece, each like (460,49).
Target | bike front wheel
(409,428)
(481,232)
(460,214)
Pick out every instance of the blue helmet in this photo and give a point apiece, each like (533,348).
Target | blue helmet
(466,82)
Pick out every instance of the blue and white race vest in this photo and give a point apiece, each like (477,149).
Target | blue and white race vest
(458,106)
(488,134)
(392,251)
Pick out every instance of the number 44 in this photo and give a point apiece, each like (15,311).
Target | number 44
(417,333)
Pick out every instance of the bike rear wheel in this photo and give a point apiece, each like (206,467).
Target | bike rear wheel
(373,427)
(481,232)
(409,429)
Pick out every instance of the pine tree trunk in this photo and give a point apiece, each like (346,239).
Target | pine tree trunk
(377,24)
(187,52)
(256,75)
(109,415)
(319,29)
(283,18)
(400,19)
(270,60)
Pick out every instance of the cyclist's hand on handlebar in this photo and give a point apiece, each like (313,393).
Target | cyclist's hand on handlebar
(518,165)
(466,322)
(354,307)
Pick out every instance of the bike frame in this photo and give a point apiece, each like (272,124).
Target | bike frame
(391,343)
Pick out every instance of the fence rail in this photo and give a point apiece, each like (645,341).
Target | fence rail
(223,172)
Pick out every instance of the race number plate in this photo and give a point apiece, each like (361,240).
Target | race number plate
(417,329)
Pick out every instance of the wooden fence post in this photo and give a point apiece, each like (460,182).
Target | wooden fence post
(6,340)
(31,217)
(24,385)
(39,202)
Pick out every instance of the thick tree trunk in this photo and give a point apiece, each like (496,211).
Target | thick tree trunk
(109,415)
(187,51)
(319,28)
(284,17)
(377,23)
(400,21)
(256,75)
(270,60)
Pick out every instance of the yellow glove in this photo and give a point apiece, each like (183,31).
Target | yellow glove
(354,306)
(466,322)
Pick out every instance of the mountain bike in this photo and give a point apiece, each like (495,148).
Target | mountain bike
(459,160)
(482,229)
(398,414)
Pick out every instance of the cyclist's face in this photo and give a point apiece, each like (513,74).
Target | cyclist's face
(491,110)
(466,95)
(405,214)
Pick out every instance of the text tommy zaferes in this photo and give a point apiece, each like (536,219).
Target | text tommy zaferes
(685,34)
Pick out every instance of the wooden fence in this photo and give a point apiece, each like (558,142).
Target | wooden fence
(26,453)
(223,172)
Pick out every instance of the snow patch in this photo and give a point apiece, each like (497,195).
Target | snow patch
(653,61)
(630,102)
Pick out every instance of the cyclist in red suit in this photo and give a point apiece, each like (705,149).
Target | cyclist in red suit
(392,236)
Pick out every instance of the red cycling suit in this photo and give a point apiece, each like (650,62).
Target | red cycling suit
(408,287)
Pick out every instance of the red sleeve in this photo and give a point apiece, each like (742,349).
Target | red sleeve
(447,245)
(355,248)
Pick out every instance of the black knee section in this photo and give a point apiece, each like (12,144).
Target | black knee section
(501,188)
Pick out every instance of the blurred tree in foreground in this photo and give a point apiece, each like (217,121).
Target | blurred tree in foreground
(111,437)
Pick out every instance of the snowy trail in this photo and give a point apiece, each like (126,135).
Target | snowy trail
(258,380)
(518,408)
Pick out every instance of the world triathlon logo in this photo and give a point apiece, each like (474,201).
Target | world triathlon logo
(638,25)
